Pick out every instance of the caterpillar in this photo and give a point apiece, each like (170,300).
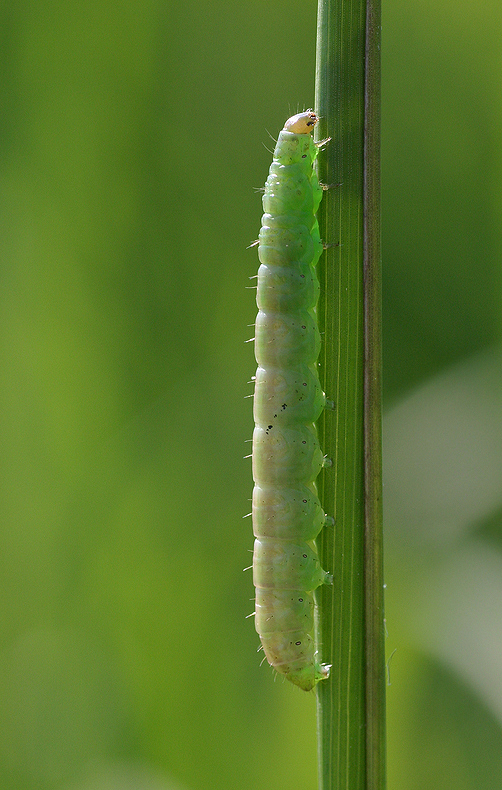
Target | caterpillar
(288,399)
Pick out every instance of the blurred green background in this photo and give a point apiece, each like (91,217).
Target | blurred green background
(132,135)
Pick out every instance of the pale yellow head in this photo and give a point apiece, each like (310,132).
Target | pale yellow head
(303,123)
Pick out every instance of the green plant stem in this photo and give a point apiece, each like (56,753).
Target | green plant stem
(351,704)
(373,539)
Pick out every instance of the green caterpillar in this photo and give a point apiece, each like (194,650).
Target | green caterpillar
(288,399)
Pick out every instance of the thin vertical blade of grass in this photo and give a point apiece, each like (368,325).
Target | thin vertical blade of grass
(351,707)
(373,537)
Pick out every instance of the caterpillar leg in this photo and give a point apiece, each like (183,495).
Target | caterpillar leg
(327,246)
(325,187)
(320,143)
(308,677)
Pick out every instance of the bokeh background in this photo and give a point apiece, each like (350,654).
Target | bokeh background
(132,135)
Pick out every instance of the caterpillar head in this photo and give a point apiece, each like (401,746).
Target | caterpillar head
(303,123)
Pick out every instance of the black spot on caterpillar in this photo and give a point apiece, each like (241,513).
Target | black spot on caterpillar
(287,514)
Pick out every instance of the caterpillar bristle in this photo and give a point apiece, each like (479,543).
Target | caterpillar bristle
(274,139)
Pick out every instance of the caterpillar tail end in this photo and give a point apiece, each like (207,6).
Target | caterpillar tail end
(307,677)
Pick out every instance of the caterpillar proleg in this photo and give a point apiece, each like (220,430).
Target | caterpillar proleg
(287,514)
